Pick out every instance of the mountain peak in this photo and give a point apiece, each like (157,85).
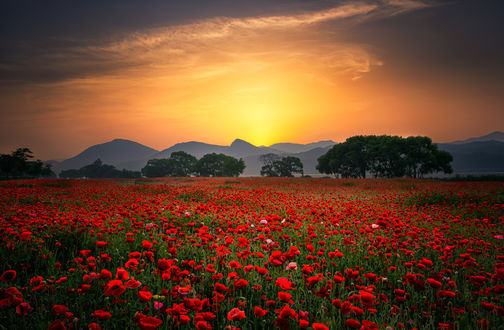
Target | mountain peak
(241,143)
(495,136)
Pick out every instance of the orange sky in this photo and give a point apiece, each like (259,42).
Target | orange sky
(265,79)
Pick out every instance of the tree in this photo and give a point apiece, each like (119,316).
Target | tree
(181,164)
(268,160)
(98,170)
(218,165)
(384,156)
(284,167)
(18,165)
(156,168)
(232,166)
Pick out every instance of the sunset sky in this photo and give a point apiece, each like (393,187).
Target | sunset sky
(74,74)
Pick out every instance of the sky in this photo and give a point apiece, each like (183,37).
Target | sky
(74,74)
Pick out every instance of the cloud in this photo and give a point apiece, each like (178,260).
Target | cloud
(213,47)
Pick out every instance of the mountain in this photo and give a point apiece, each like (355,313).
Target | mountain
(495,136)
(118,152)
(476,157)
(483,154)
(297,148)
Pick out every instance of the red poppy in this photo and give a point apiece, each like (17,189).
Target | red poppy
(57,325)
(259,312)
(352,323)
(100,314)
(203,325)
(284,296)
(59,309)
(8,276)
(149,323)
(240,284)
(368,325)
(114,288)
(144,296)
(319,326)
(23,309)
(235,315)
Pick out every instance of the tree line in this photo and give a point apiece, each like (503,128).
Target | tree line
(18,165)
(359,156)
(182,164)
(276,166)
(98,170)
(385,156)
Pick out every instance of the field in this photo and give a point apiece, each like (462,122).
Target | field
(251,253)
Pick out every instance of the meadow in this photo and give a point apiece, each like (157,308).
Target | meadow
(251,253)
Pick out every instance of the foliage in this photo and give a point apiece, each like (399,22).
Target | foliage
(18,165)
(98,170)
(384,156)
(219,165)
(284,167)
(180,164)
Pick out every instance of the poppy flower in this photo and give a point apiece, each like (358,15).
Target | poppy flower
(284,296)
(133,284)
(259,312)
(319,326)
(23,309)
(100,244)
(57,325)
(59,309)
(8,276)
(235,315)
(434,284)
(149,323)
(144,296)
(114,288)
(240,284)
(368,325)
(291,266)
(203,325)
(100,314)
(351,323)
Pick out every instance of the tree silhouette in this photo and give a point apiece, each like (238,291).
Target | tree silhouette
(18,165)
(218,165)
(384,156)
(285,167)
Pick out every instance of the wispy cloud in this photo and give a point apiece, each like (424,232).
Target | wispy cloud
(218,45)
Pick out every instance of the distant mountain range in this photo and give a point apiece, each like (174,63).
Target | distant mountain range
(483,154)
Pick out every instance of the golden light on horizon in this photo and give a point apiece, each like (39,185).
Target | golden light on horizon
(299,77)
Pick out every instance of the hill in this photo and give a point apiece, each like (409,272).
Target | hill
(483,154)
(118,152)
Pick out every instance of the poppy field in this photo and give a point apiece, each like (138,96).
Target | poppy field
(251,253)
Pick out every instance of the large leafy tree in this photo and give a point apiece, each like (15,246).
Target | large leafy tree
(181,164)
(384,156)
(268,161)
(156,168)
(18,165)
(218,165)
(285,167)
